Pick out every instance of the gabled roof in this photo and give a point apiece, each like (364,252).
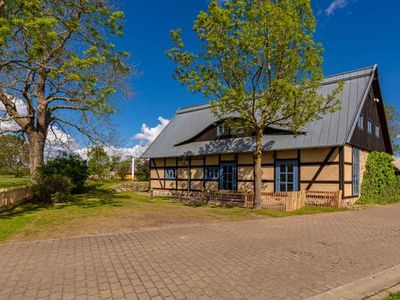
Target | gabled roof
(334,129)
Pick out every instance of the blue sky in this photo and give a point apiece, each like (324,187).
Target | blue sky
(355,34)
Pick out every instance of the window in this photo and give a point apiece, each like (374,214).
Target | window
(377,130)
(356,172)
(286,176)
(170,173)
(369,126)
(227,180)
(222,131)
(212,173)
(361,122)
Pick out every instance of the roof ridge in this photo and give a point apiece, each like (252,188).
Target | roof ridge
(351,71)
(327,80)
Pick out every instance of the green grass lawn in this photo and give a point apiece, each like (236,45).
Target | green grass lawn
(100,211)
(9,182)
(395,296)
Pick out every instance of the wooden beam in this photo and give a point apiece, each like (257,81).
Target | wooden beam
(321,167)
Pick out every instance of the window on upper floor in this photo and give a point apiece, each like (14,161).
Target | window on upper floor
(377,130)
(360,123)
(222,131)
(369,126)
(170,173)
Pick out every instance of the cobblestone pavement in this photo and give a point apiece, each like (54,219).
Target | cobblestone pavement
(269,258)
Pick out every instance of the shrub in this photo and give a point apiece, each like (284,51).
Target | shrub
(380,184)
(52,188)
(142,172)
(70,166)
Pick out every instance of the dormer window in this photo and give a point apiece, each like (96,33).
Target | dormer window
(222,131)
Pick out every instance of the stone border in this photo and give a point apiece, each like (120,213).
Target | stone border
(366,287)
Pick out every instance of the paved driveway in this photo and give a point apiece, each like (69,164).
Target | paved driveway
(292,257)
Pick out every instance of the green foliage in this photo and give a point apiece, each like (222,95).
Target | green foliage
(124,167)
(58,58)
(70,166)
(52,188)
(258,59)
(380,184)
(259,62)
(99,162)
(14,154)
(71,39)
(142,171)
(393,119)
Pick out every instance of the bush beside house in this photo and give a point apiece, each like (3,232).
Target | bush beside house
(380,185)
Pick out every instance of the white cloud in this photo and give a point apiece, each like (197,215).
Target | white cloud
(146,136)
(149,134)
(336,4)
(59,141)
(11,125)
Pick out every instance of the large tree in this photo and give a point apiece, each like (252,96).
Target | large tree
(258,60)
(58,67)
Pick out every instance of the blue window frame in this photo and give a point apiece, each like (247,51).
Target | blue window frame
(286,176)
(356,172)
(369,126)
(170,173)
(211,173)
(377,130)
(360,123)
(227,179)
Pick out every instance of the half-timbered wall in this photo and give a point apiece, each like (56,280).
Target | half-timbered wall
(320,169)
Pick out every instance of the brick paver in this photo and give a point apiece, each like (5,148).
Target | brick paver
(294,257)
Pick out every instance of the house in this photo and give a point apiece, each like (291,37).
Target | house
(196,151)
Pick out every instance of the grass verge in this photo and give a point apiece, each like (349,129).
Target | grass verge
(99,211)
(9,182)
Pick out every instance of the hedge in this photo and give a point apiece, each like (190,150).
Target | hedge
(380,184)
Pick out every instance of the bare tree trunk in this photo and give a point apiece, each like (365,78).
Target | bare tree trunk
(258,167)
(36,152)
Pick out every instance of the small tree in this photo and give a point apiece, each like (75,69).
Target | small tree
(393,119)
(258,61)
(123,168)
(99,162)
(142,172)
(14,153)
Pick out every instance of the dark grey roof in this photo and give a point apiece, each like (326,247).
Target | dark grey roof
(333,129)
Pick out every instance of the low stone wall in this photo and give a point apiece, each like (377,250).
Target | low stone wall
(133,186)
(14,196)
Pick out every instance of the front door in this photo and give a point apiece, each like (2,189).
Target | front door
(286,174)
(228,176)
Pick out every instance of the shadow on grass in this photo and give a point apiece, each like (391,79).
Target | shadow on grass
(93,195)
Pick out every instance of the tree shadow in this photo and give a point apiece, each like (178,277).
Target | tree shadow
(93,195)
(235,145)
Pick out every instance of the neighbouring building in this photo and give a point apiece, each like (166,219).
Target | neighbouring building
(196,151)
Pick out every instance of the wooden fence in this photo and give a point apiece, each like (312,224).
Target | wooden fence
(282,201)
(329,199)
(14,196)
